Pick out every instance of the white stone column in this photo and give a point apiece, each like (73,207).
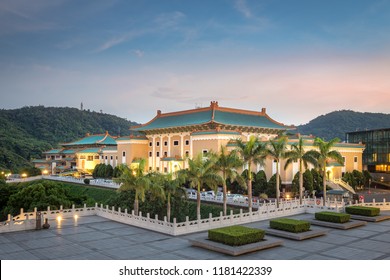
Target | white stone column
(169,145)
(153,153)
(181,145)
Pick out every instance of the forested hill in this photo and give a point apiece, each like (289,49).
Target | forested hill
(337,123)
(26,132)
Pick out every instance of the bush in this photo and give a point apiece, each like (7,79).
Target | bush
(363,211)
(86,181)
(236,235)
(332,217)
(290,225)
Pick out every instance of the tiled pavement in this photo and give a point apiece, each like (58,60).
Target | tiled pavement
(96,238)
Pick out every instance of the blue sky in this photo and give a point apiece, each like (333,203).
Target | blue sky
(299,59)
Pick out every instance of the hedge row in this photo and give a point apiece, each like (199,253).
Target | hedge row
(363,211)
(290,225)
(236,235)
(332,217)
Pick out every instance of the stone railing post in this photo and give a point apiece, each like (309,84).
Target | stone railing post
(119,210)
(210,218)
(187,222)
(96,204)
(148,216)
(85,206)
(21,212)
(126,211)
(61,207)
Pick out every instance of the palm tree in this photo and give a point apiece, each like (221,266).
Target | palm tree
(226,164)
(323,155)
(201,171)
(251,152)
(135,180)
(297,153)
(276,150)
(172,186)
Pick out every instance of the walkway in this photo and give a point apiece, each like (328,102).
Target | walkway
(96,238)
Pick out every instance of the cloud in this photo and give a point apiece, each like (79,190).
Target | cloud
(169,19)
(139,53)
(172,93)
(243,8)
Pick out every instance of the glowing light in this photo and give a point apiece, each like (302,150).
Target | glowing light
(45,172)
(76,217)
(59,219)
(24,175)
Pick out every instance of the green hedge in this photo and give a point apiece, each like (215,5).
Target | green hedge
(363,211)
(332,217)
(236,235)
(290,225)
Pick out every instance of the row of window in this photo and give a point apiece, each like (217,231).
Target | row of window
(165,154)
(175,143)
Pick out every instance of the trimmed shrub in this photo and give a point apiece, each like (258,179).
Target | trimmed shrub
(236,235)
(332,217)
(290,225)
(87,181)
(363,211)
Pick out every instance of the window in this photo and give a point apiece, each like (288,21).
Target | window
(355,159)
(205,152)
(165,169)
(157,144)
(165,143)
(90,158)
(165,154)
(187,142)
(176,143)
(150,168)
(158,154)
(106,157)
(158,168)
(123,154)
(111,157)
(187,153)
(96,157)
(150,154)
(150,144)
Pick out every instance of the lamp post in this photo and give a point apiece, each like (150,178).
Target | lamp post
(369,186)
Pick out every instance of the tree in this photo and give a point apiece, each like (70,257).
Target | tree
(323,157)
(276,150)
(201,171)
(297,153)
(260,185)
(317,179)
(226,164)
(251,152)
(171,186)
(135,180)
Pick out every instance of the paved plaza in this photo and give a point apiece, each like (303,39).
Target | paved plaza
(97,238)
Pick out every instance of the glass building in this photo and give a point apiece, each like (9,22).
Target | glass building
(376,156)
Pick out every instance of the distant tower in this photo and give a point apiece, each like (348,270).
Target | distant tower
(81,106)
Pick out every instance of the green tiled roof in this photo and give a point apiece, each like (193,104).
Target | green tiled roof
(334,164)
(171,159)
(40,161)
(113,149)
(54,151)
(93,140)
(224,116)
(241,119)
(68,152)
(193,118)
(215,132)
(89,151)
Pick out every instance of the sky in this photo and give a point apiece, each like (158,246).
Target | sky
(299,59)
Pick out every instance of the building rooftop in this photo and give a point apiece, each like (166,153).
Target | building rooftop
(212,116)
(99,139)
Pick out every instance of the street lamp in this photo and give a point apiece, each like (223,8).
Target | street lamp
(369,186)
(24,175)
